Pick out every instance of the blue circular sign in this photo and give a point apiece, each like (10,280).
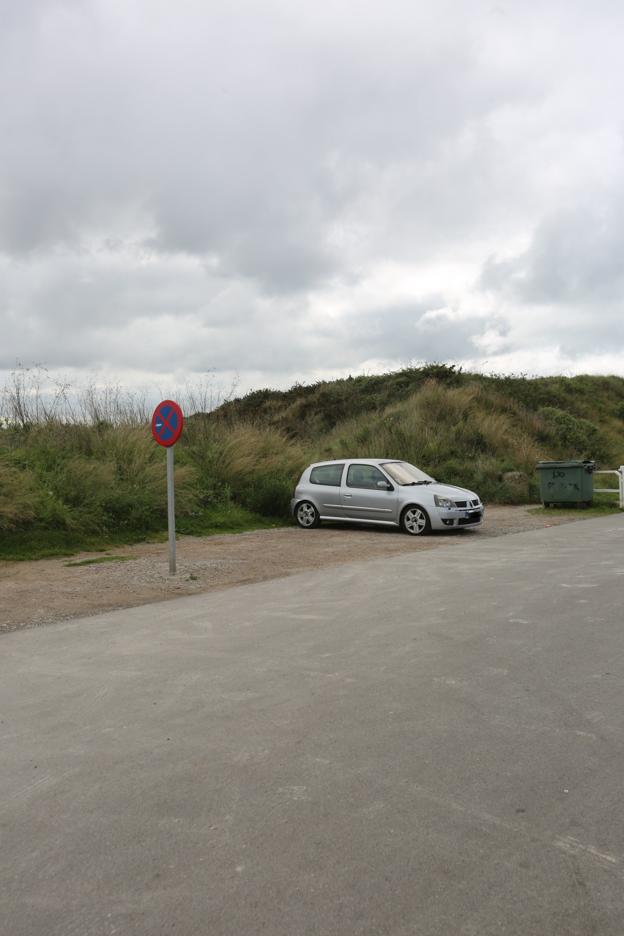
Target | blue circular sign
(167,423)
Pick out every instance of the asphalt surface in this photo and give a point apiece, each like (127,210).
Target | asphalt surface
(430,744)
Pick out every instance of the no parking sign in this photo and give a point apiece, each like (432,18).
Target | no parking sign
(167,424)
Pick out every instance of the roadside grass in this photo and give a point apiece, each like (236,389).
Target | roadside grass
(23,545)
(98,561)
(37,543)
(93,479)
(599,508)
(227,518)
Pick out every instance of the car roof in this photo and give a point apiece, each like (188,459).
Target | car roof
(356,461)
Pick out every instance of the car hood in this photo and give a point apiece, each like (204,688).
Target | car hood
(450,490)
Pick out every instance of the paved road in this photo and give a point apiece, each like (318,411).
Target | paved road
(432,744)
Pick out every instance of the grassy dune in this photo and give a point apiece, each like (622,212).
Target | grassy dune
(66,485)
(486,432)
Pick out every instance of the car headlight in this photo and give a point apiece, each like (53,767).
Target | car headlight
(443,501)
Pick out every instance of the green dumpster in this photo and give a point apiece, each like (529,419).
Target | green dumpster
(566,482)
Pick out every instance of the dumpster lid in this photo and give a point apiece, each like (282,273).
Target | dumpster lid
(571,463)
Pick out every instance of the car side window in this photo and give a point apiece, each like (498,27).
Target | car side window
(327,474)
(365,476)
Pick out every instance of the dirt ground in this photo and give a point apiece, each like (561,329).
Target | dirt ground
(49,590)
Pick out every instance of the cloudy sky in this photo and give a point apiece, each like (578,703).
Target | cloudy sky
(286,190)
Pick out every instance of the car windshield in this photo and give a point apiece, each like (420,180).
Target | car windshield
(404,473)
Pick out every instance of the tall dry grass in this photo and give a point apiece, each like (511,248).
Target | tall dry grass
(32,396)
(259,466)
(90,478)
(468,435)
(87,461)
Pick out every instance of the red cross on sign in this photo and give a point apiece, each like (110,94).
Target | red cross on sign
(167,423)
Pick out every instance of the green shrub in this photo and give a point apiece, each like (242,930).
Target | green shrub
(268,495)
(577,437)
(77,480)
(18,497)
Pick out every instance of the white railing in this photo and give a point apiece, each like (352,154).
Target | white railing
(619,490)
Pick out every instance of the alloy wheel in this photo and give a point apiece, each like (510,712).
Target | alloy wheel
(306,515)
(415,521)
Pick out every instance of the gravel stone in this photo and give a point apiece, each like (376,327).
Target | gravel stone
(47,591)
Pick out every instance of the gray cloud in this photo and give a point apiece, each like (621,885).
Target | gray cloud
(572,274)
(287,190)
(232,134)
(574,257)
(421,330)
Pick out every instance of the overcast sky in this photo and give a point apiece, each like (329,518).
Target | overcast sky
(284,190)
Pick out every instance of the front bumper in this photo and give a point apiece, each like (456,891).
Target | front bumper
(460,517)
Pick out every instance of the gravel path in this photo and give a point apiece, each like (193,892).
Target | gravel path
(50,590)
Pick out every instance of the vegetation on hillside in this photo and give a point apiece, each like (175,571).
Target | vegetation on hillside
(67,482)
(471,429)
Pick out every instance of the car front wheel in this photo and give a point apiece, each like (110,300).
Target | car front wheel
(306,515)
(415,521)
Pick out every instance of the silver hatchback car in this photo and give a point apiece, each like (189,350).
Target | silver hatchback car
(382,491)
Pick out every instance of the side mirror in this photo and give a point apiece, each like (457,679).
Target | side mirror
(385,486)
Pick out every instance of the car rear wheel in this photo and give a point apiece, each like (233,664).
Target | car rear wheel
(415,521)
(306,515)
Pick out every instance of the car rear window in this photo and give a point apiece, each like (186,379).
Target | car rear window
(327,474)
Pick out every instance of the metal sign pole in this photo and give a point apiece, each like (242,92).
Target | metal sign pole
(167,423)
(171,511)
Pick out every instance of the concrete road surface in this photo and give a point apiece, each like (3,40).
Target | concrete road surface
(431,744)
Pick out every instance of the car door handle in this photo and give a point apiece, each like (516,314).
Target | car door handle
(347,495)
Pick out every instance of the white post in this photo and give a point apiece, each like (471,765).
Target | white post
(171,511)
(621,487)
